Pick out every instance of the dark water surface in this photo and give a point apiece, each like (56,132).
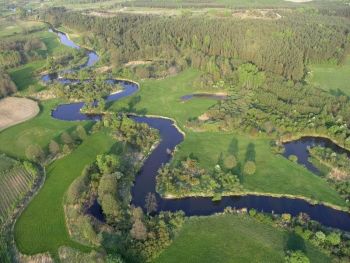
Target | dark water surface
(145,181)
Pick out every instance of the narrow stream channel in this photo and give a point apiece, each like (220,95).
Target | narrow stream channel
(145,181)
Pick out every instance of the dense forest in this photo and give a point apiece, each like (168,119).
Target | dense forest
(281,46)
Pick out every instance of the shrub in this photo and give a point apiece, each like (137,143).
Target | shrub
(230,162)
(249,168)
(293,158)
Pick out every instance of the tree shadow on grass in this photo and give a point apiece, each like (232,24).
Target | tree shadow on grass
(250,152)
(131,108)
(294,242)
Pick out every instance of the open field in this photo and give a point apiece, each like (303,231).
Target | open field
(15,181)
(330,77)
(41,227)
(275,174)
(16,110)
(233,238)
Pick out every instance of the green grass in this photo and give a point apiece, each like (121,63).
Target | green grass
(275,174)
(40,130)
(332,78)
(233,238)
(42,227)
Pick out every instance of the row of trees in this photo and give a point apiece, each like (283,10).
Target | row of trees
(64,145)
(281,46)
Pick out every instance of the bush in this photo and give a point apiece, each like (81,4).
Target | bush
(293,158)
(230,162)
(249,168)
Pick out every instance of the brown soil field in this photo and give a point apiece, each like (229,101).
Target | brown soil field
(16,110)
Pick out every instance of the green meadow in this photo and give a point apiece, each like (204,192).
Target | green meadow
(332,78)
(234,238)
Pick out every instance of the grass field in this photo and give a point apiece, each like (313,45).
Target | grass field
(275,174)
(42,227)
(332,78)
(15,181)
(231,239)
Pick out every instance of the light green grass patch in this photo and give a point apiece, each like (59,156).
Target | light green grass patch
(332,78)
(233,238)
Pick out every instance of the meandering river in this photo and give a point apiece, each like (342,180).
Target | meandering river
(145,181)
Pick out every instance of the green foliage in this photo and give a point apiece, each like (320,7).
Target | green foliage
(54,147)
(6,84)
(249,168)
(35,153)
(107,163)
(230,161)
(187,178)
(281,46)
(293,158)
(296,257)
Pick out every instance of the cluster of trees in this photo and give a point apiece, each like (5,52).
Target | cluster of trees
(86,90)
(136,234)
(66,58)
(330,241)
(17,51)
(187,178)
(67,141)
(6,84)
(263,102)
(281,46)
(137,135)
(339,165)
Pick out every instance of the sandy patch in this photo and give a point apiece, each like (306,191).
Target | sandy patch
(137,62)
(16,110)
(203,117)
(257,14)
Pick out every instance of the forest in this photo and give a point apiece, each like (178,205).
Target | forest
(282,46)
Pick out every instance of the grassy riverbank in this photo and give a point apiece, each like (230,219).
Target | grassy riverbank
(234,238)
(42,227)
(275,174)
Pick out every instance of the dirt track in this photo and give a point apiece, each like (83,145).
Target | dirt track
(16,110)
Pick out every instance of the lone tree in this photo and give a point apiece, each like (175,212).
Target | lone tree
(230,161)
(54,147)
(151,203)
(249,168)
